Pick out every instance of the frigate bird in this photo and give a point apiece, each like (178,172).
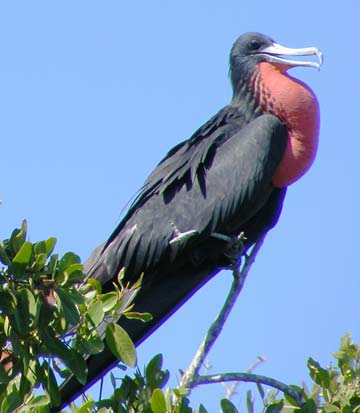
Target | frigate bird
(229,178)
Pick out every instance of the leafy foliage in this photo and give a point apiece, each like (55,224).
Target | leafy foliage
(335,389)
(146,393)
(50,320)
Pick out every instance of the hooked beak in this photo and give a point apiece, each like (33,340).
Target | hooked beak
(275,54)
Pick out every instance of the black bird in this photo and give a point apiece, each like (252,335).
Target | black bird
(229,177)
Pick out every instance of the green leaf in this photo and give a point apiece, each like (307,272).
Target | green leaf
(291,400)
(71,358)
(144,317)
(40,247)
(22,312)
(121,275)
(11,402)
(105,410)
(53,388)
(68,259)
(348,409)
(27,299)
(152,371)
(93,345)
(181,391)
(249,402)
(7,326)
(120,344)
(25,386)
(355,401)
(38,401)
(95,284)
(46,315)
(50,245)
(331,408)
(22,258)
(109,300)
(154,365)
(87,407)
(227,406)
(168,399)
(318,374)
(113,380)
(96,313)
(39,263)
(261,390)
(18,237)
(71,312)
(275,407)
(202,409)
(77,365)
(29,367)
(75,295)
(52,343)
(157,401)
(53,263)
(74,273)
(8,302)
(4,258)
(347,354)
(184,406)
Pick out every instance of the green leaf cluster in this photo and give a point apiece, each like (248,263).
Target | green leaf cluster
(51,319)
(335,388)
(146,393)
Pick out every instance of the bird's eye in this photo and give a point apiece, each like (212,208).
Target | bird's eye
(254,44)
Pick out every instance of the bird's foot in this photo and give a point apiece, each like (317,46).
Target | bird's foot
(234,250)
(179,239)
(182,237)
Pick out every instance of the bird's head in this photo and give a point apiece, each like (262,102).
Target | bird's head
(251,49)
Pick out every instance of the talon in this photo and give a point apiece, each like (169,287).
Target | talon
(235,251)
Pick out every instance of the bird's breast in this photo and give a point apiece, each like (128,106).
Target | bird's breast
(297,106)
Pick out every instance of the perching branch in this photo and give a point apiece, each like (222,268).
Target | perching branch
(250,378)
(191,375)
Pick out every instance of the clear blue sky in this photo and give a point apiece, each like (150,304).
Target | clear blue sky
(93,94)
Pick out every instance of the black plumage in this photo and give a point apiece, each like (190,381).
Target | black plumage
(210,183)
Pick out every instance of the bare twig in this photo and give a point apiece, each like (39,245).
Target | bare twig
(231,389)
(191,374)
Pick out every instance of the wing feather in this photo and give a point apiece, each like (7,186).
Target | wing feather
(215,181)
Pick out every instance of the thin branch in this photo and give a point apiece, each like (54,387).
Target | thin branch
(257,362)
(250,378)
(192,372)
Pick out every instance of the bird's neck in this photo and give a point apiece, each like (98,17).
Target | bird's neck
(296,105)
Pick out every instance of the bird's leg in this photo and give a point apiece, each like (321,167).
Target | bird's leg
(234,249)
(181,237)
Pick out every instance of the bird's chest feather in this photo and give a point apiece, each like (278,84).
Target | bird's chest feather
(296,105)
